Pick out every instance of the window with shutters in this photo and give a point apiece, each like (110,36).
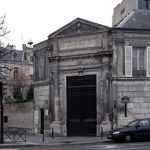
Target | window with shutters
(139,61)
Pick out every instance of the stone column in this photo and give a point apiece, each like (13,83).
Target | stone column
(56,124)
(56,96)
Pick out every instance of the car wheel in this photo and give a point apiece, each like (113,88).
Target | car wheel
(128,138)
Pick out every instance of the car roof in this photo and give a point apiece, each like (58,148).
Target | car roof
(143,119)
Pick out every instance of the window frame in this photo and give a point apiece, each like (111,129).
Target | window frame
(128,64)
(16,72)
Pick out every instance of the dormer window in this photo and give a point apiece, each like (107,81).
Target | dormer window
(122,11)
(15,55)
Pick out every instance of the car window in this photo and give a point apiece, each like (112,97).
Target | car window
(144,123)
(133,123)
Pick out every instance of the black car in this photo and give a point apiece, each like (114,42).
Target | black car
(137,129)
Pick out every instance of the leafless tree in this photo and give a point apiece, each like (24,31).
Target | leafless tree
(18,85)
(7,50)
(3,30)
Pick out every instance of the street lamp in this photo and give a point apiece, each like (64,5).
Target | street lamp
(2,115)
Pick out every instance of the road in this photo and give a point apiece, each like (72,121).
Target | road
(102,146)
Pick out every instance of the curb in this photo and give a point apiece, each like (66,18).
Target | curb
(52,144)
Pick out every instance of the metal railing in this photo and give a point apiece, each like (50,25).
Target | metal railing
(15,135)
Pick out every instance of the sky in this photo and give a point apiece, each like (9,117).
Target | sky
(36,19)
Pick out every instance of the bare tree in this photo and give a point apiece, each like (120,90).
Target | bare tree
(3,30)
(5,49)
(18,85)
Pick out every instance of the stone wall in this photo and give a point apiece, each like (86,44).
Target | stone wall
(41,102)
(19,115)
(139,94)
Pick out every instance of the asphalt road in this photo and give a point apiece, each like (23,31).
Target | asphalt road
(103,146)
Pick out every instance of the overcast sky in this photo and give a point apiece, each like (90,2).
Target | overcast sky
(36,19)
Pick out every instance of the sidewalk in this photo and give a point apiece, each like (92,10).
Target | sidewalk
(33,140)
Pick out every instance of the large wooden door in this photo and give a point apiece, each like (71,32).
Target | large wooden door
(81,105)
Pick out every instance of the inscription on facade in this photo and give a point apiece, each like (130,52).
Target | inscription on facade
(78,44)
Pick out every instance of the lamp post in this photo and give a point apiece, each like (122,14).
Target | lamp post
(2,115)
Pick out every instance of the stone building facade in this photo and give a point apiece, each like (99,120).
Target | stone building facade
(131,74)
(131,56)
(84,71)
(127,7)
(77,53)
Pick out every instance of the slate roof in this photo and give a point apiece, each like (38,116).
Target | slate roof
(137,19)
(16,55)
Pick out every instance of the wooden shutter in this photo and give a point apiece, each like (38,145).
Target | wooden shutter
(128,61)
(148,62)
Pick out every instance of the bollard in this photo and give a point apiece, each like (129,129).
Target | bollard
(52,133)
(25,136)
(43,137)
(102,133)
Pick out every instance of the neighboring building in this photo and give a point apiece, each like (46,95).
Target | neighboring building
(131,73)
(14,63)
(126,8)
(85,71)
(131,63)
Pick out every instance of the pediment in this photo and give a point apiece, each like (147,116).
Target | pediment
(79,26)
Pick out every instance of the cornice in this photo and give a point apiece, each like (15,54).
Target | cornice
(40,83)
(130,79)
(88,55)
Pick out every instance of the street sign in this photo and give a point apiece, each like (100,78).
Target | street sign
(125,99)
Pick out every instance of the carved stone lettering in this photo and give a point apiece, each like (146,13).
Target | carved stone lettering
(78,44)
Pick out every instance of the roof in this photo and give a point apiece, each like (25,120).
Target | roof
(137,19)
(79,26)
(15,55)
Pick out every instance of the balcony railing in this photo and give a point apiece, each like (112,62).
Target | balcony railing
(139,73)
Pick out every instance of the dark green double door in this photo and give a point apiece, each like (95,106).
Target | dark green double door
(81,105)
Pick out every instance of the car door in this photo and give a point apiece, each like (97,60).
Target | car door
(143,129)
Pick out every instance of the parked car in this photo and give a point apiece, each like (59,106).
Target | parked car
(137,129)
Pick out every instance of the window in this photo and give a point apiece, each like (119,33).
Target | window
(15,55)
(148,4)
(25,56)
(137,61)
(16,72)
(31,58)
(122,11)
(144,123)
(31,70)
(133,123)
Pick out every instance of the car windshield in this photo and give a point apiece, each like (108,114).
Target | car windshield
(133,123)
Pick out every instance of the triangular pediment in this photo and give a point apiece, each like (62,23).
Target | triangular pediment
(79,26)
